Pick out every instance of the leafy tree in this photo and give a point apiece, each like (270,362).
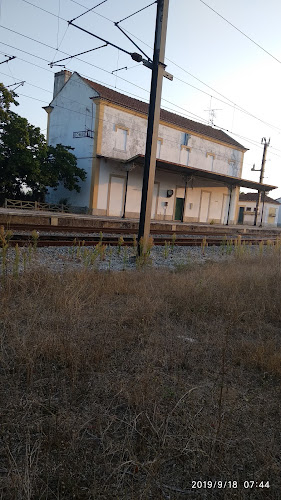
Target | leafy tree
(60,166)
(6,99)
(27,165)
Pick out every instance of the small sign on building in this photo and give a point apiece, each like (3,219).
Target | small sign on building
(83,133)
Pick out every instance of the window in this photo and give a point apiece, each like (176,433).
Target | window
(185,138)
(158,150)
(248,209)
(121,138)
(210,158)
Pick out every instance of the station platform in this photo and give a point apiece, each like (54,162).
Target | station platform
(33,218)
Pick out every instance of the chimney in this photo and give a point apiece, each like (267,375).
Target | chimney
(60,79)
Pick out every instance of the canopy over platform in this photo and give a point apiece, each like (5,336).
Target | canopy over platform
(195,172)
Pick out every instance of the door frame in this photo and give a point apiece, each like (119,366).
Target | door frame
(108,193)
(175,200)
(157,199)
(210,193)
(241,206)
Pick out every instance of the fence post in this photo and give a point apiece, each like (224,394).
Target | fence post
(6,203)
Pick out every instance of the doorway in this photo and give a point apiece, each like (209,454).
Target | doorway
(179,208)
(204,206)
(116,191)
(241,215)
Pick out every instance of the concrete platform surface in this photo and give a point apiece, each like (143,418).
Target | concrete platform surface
(37,218)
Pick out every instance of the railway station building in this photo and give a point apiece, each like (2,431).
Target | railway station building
(198,168)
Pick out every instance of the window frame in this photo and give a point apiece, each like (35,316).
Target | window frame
(125,129)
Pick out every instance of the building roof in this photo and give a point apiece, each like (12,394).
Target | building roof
(166,116)
(254,197)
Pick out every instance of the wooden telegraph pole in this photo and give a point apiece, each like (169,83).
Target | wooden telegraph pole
(158,71)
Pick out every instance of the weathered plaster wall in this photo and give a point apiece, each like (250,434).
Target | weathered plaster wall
(73,111)
(165,207)
(227,160)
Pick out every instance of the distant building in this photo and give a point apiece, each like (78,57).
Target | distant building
(247,210)
(198,168)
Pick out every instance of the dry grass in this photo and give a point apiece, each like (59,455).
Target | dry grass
(131,385)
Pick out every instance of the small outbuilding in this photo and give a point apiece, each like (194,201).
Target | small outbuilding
(267,212)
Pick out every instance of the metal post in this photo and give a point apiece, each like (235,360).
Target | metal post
(125,197)
(158,68)
(266,144)
(228,212)
(263,200)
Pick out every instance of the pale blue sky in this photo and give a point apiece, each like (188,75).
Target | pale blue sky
(198,41)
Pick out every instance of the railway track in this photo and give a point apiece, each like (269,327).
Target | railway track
(91,236)
(59,240)
(95,229)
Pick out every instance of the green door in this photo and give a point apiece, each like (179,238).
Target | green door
(241,215)
(179,208)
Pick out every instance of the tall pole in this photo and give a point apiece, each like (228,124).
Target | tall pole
(158,69)
(265,146)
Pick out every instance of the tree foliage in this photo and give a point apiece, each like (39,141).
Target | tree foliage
(28,166)
(6,99)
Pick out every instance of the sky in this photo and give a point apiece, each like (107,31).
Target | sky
(219,65)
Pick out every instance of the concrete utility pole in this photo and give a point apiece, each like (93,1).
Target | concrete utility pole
(265,146)
(158,71)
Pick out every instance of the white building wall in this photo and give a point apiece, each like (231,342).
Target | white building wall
(73,111)
(227,160)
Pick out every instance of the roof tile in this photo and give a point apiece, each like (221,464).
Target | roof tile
(254,196)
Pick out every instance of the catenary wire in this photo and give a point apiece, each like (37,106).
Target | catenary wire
(108,72)
(250,140)
(137,12)
(238,107)
(240,31)
(211,88)
(257,145)
(89,10)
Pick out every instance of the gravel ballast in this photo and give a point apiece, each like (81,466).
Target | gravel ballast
(60,259)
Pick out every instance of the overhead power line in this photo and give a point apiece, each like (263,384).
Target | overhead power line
(89,10)
(237,106)
(200,118)
(127,81)
(137,12)
(232,103)
(134,56)
(102,69)
(54,63)
(242,32)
